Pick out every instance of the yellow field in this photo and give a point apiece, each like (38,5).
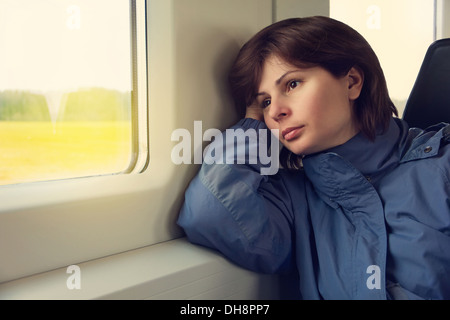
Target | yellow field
(36,151)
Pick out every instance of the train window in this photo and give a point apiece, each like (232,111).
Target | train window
(399,31)
(69,85)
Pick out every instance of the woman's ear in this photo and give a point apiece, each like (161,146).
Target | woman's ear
(355,83)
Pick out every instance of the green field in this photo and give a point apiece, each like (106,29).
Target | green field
(36,151)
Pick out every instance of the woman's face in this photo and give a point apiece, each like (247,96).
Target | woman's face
(311,108)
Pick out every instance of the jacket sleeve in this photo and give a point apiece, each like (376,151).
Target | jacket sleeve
(236,210)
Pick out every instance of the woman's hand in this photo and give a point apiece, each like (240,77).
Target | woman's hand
(254,111)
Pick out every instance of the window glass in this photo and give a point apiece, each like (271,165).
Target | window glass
(399,31)
(65,89)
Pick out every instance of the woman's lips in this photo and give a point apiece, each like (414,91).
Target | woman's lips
(292,133)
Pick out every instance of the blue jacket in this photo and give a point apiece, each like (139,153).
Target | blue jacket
(357,217)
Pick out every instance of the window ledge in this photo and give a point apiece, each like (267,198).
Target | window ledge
(171,270)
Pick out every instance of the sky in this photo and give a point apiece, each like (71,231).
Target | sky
(62,45)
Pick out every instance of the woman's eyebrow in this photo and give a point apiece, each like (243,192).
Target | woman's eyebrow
(285,75)
(279,80)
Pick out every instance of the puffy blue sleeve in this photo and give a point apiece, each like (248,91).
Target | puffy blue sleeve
(233,208)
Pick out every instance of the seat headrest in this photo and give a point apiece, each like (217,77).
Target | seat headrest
(429,101)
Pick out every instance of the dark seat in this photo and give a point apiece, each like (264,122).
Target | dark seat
(429,101)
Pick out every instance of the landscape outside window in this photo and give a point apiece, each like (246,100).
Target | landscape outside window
(65,89)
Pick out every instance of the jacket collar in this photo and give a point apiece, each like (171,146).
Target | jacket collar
(426,143)
(372,157)
(344,175)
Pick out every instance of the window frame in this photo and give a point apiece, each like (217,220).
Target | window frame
(50,224)
(138,155)
(140,139)
(140,131)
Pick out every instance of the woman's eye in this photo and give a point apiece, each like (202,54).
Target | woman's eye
(293,84)
(265,103)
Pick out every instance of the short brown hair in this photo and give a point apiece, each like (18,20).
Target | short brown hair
(310,42)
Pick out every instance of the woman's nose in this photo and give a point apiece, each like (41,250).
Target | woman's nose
(279,108)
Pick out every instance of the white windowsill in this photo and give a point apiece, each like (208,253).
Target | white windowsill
(172,270)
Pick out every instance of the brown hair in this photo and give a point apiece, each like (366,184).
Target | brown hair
(310,42)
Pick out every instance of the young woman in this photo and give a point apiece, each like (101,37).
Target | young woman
(361,205)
